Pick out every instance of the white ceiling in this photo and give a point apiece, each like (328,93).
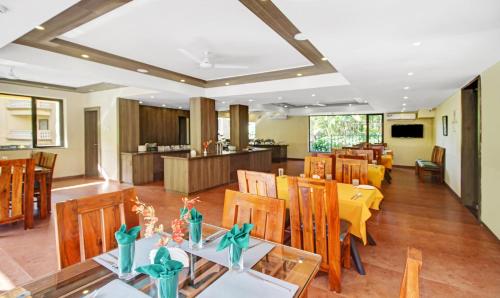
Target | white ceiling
(23,16)
(152,31)
(369,42)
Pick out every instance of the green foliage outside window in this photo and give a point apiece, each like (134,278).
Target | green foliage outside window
(326,132)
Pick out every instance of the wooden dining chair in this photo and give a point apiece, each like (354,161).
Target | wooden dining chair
(410,283)
(360,156)
(257,183)
(435,166)
(367,152)
(46,160)
(17,178)
(85,227)
(320,166)
(341,151)
(267,214)
(316,225)
(378,151)
(348,169)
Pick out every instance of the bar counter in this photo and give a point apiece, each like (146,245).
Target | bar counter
(187,175)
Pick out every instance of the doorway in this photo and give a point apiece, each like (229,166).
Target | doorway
(471,147)
(183,131)
(92,142)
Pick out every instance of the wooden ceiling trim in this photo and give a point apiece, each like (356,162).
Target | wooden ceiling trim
(87,10)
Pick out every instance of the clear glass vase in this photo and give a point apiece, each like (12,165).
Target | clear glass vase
(167,287)
(195,234)
(235,256)
(126,253)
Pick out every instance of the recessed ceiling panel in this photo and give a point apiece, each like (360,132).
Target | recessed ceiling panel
(174,34)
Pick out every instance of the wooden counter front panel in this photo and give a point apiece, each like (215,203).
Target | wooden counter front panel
(176,175)
(206,173)
(260,161)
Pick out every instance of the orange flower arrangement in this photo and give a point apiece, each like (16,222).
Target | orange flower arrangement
(206,144)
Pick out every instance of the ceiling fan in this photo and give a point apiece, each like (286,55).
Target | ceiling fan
(206,63)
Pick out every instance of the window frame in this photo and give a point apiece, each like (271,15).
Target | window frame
(367,128)
(34,123)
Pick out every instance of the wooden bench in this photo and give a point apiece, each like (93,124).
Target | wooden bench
(435,166)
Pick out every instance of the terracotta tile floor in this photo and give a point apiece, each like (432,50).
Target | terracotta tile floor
(460,257)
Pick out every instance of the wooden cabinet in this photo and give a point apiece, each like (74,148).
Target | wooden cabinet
(280,152)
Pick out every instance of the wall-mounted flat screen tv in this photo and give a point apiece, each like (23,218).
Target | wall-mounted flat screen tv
(407,131)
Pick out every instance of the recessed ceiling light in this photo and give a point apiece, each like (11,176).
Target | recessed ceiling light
(142,70)
(39,28)
(300,36)
(404,104)
(163,105)
(306,107)
(182,81)
(140,102)
(250,100)
(85,56)
(180,107)
(324,59)
(223,102)
(313,95)
(406,87)
(227,84)
(152,96)
(285,106)
(350,105)
(417,43)
(410,73)
(299,74)
(366,101)
(280,98)
(405,97)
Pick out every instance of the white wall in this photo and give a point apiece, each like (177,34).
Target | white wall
(452,108)
(70,160)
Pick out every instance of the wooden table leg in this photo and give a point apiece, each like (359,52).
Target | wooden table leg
(43,196)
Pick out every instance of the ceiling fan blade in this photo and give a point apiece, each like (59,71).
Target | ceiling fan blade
(230,66)
(190,55)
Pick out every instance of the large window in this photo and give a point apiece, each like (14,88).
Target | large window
(23,115)
(327,132)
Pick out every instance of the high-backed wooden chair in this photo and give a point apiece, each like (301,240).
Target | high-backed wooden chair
(46,160)
(348,169)
(85,227)
(360,156)
(320,166)
(257,183)
(435,167)
(410,283)
(378,151)
(316,225)
(367,152)
(341,151)
(267,214)
(16,191)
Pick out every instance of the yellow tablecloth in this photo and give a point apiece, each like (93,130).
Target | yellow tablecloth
(386,161)
(357,212)
(376,175)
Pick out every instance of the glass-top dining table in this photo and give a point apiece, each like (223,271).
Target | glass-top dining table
(285,263)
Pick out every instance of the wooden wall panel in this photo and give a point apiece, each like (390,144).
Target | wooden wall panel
(128,119)
(160,125)
(203,123)
(239,126)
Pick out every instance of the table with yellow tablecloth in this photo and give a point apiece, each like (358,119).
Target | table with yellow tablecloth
(357,212)
(386,161)
(376,175)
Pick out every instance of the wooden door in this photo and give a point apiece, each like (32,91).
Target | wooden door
(92,143)
(471,172)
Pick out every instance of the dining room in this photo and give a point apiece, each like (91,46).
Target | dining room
(263,148)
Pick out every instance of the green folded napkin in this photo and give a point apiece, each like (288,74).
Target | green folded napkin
(239,238)
(195,215)
(163,266)
(126,237)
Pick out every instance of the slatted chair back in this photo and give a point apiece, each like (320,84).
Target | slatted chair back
(438,155)
(315,222)
(17,178)
(85,227)
(317,166)
(341,151)
(357,156)
(257,183)
(410,283)
(378,151)
(349,169)
(267,214)
(333,157)
(37,157)
(367,152)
